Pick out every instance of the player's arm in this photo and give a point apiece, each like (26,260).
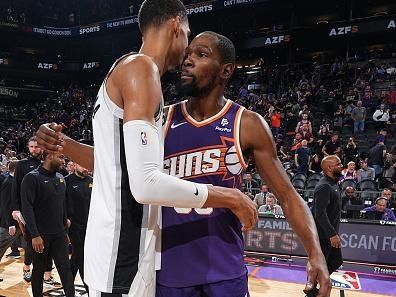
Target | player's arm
(258,143)
(50,138)
(140,87)
(28,197)
(16,188)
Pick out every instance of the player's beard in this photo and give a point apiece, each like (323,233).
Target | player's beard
(82,173)
(192,89)
(337,174)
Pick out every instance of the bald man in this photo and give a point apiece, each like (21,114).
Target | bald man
(326,210)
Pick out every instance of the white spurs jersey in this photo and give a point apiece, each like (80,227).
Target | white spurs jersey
(122,235)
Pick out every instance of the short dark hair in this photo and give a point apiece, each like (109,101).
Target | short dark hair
(33,138)
(225,46)
(12,165)
(156,12)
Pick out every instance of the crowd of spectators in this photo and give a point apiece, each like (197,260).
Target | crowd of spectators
(62,13)
(19,123)
(315,110)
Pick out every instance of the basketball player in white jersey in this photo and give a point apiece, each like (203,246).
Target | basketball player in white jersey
(123,234)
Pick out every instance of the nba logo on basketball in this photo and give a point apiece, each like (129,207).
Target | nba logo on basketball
(143,137)
(346,280)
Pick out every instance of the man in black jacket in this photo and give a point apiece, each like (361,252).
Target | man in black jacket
(78,197)
(8,231)
(24,167)
(326,210)
(43,200)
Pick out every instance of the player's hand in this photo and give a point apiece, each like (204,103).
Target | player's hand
(15,215)
(335,241)
(50,138)
(38,244)
(246,211)
(317,273)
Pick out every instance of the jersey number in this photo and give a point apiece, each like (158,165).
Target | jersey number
(200,211)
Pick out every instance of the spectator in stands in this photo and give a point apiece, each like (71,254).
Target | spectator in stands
(251,185)
(389,173)
(332,147)
(351,151)
(70,167)
(339,118)
(349,108)
(349,198)
(358,116)
(297,142)
(276,119)
(260,198)
(314,164)
(382,136)
(306,135)
(376,157)
(387,194)
(324,133)
(349,172)
(380,210)
(303,121)
(305,110)
(302,158)
(270,207)
(381,117)
(243,190)
(365,172)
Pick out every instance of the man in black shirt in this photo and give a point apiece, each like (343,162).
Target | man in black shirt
(332,147)
(376,157)
(43,199)
(8,231)
(326,210)
(78,197)
(24,167)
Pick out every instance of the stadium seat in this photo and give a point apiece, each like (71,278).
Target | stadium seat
(368,196)
(315,176)
(311,183)
(348,183)
(367,185)
(298,183)
(300,176)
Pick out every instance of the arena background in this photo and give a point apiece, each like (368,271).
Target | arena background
(292,56)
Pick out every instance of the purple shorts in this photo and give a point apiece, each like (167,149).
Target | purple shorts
(237,287)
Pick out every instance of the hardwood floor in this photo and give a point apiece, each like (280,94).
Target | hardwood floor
(14,286)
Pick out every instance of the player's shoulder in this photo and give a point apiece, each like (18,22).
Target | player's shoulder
(137,64)
(32,175)
(252,119)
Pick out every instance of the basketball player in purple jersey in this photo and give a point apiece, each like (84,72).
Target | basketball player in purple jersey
(207,140)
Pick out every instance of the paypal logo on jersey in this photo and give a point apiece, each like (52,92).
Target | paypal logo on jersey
(224,123)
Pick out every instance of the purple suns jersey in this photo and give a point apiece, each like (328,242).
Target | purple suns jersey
(202,246)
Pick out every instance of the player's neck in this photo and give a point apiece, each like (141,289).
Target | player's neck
(157,48)
(202,108)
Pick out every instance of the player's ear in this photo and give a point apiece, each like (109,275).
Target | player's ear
(176,24)
(227,71)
